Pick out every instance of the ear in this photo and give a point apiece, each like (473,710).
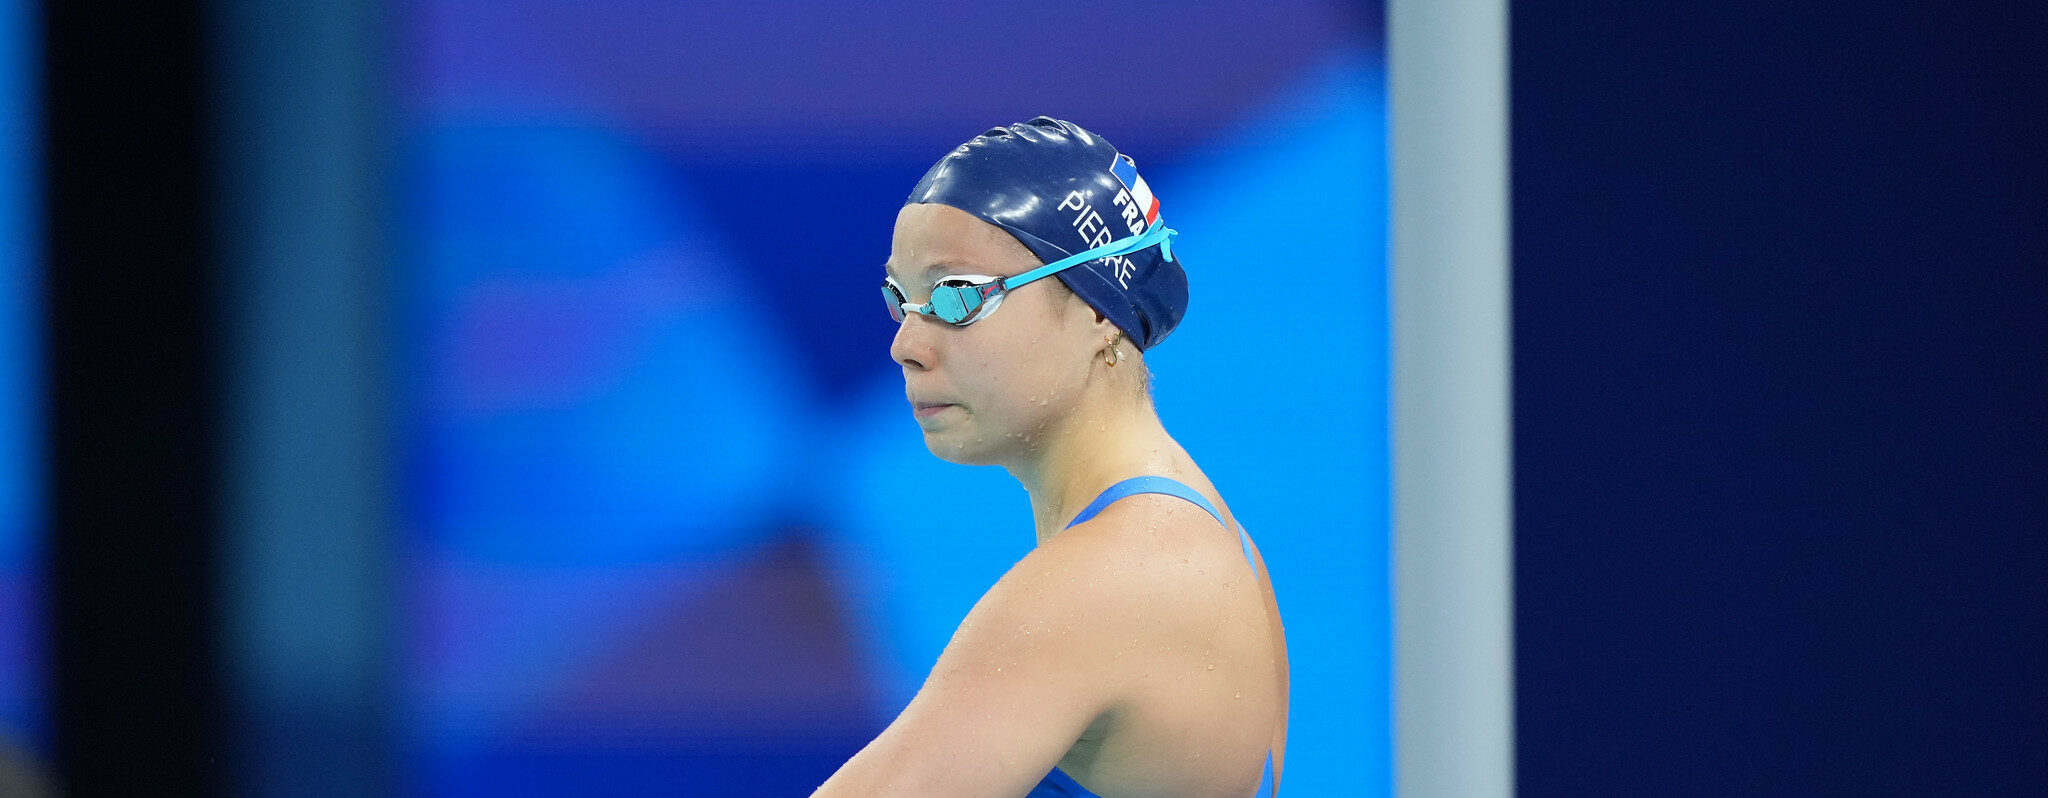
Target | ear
(1109,334)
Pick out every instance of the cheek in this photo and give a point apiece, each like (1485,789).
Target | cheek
(1017,384)
(1024,369)
(1045,385)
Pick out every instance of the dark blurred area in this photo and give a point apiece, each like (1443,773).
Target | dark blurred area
(133,385)
(1781,398)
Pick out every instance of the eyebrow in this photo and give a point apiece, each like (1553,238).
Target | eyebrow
(931,269)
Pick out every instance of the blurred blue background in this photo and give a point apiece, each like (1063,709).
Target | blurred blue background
(653,455)
(21,529)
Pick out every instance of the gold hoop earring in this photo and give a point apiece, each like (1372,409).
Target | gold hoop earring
(1116,354)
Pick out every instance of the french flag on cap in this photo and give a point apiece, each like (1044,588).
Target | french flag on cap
(1126,172)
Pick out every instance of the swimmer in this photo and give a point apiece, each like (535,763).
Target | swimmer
(1136,651)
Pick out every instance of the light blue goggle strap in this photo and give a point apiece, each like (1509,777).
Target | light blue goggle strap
(1159,234)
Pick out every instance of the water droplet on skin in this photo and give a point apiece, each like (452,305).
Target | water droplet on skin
(1212,666)
(1238,694)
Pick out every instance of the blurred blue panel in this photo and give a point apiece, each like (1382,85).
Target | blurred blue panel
(305,565)
(581,464)
(883,80)
(20,380)
(579,329)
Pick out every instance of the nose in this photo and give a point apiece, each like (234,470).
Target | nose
(914,346)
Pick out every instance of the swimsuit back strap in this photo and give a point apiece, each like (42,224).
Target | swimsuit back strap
(1170,487)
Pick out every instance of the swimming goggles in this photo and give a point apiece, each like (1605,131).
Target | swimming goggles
(964,299)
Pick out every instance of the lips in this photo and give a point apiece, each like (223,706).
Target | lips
(928,409)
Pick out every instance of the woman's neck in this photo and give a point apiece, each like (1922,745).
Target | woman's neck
(1093,450)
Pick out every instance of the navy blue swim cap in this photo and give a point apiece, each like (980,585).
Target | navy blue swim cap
(1059,190)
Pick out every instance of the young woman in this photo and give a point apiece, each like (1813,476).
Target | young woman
(1137,650)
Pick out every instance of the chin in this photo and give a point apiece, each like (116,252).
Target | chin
(952,449)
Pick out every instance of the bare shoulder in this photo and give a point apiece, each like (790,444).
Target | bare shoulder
(1147,530)
(1148,565)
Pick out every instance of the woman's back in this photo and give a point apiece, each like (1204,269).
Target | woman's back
(1203,698)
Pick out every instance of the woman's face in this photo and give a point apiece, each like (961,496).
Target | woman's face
(989,392)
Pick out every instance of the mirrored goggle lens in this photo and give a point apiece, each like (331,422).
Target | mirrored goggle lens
(893,297)
(954,302)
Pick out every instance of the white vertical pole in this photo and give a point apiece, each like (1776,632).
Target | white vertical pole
(1453,556)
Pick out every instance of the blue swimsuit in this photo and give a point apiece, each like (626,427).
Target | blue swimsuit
(1060,785)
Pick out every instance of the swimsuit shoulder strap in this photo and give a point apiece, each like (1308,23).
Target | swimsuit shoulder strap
(1170,487)
(1136,485)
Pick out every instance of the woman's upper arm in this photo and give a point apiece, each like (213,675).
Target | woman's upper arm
(1023,676)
